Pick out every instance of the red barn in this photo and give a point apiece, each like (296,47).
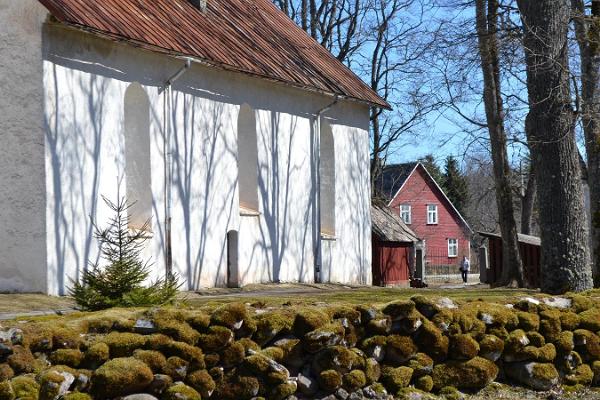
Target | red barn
(415,196)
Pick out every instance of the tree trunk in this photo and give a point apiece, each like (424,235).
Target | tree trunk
(551,136)
(588,39)
(486,19)
(528,202)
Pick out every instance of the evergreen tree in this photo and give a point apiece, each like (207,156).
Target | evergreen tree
(455,184)
(121,282)
(431,166)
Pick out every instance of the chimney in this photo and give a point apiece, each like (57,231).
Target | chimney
(199,4)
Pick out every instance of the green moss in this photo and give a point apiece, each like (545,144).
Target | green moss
(6,372)
(96,355)
(528,321)
(69,357)
(230,315)
(536,339)
(190,353)
(25,387)
(399,349)
(274,353)
(233,355)
(283,391)
(499,332)
(399,309)
(119,377)
(354,380)
(212,360)
(217,338)
(21,361)
(179,331)
(424,383)
(432,342)
(249,344)
(338,358)
(425,306)
(450,393)
(308,320)
(65,338)
(421,364)
(569,321)
(51,380)
(77,396)
(123,344)
(550,325)
(181,391)
(526,306)
(379,325)
(492,314)
(326,335)
(372,370)
(38,337)
(202,382)
(596,370)
(157,341)
(198,320)
(271,324)
(237,387)
(395,379)
(176,368)
(583,375)
(463,347)
(153,359)
(330,380)
(546,353)
(261,366)
(6,391)
(352,315)
(587,344)
(580,303)
(565,342)
(491,347)
(473,374)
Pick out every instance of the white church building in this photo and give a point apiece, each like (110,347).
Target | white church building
(242,140)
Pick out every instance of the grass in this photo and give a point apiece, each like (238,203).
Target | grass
(24,303)
(362,295)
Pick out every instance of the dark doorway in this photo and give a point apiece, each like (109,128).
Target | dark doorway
(233,279)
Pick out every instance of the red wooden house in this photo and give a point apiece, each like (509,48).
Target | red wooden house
(415,196)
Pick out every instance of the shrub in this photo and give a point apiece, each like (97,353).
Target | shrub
(121,282)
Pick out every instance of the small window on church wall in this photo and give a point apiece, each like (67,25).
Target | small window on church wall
(327,179)
(137,155)
(247,158)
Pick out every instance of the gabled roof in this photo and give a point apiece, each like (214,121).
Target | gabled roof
(389,227)
(247,36)
(392,178)
(522,238)
(403,177)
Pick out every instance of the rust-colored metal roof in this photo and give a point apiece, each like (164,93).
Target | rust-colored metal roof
(248,36)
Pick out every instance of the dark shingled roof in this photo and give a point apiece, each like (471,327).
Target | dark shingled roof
(392,178)
(389,227)
(248,36)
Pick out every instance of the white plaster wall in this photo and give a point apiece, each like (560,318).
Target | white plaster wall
(22,190)
(86,79)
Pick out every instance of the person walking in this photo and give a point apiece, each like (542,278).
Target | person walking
(465,267)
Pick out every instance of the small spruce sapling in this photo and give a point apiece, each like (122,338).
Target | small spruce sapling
(120,283)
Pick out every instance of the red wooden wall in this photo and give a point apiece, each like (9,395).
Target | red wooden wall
(391,262)
(530,254)
(419,191)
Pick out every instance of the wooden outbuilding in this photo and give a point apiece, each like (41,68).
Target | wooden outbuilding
(393,248)
(530,250)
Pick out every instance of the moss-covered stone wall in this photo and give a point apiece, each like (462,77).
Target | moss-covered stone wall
(239,351)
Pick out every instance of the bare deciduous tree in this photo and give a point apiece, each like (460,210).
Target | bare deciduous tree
(487,30)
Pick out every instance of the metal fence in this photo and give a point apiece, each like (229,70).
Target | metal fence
(440,269)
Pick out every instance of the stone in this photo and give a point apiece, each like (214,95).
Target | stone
(160,383)
(537,376)
(307,385)
(341,394)
(140,396)
(145,326)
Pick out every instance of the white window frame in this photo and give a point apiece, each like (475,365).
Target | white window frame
(454,246)
(432,214)
(406,213)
